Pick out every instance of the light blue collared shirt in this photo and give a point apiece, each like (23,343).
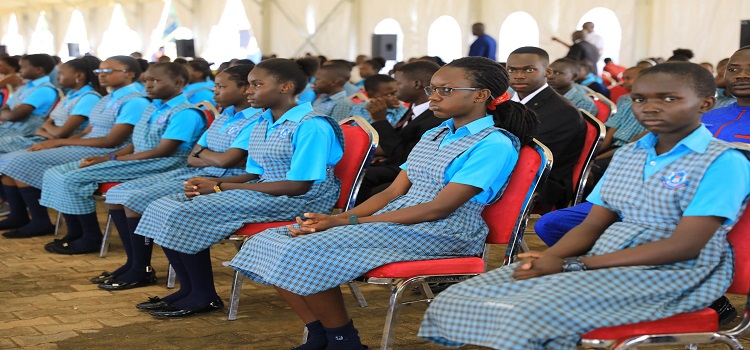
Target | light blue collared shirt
(186,125)
(85,104)
(130,111)
(41,99)
(206,92)
(242,138)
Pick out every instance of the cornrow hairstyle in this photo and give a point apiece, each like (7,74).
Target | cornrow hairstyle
(238,73)
(372,83)
(12,62)
(86,65)
(534,51)
(201,65)
(509,115)
(297,71)
(41,60)
(698,78)
(131,64)
(174,70)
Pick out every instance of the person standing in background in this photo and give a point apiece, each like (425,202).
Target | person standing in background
(485,45)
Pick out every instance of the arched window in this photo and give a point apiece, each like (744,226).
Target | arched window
(118,39)
(607,25)
(42,40)
(444,39)
(76,35)
(391,26)
(232,37)
(12,40)
(519,29)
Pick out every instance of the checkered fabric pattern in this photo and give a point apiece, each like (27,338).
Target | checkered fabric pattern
(393,115)
(139,193)
(578,97)
(69,190)
(337,106)
(59,115)
(28,126)
(320,261)
(625,122)
(189,226)
(552,312)
(29,167)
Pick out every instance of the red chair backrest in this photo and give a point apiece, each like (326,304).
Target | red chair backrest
(210,117)
(360,144)
(5,95)
(740,239)
(506,218)
(595,132)
(603,110)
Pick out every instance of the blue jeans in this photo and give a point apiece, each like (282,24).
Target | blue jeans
(553,225)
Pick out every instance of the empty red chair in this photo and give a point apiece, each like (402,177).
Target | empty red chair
(605,107)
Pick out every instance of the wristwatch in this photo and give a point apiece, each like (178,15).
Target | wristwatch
(217,187)
(353,219)
(198,152)
(573,264)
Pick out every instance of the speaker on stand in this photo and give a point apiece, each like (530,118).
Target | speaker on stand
(185,48)
(384,45)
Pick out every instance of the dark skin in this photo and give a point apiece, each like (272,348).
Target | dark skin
(737,77)
(667,106)
(265,91)
(464,107)
(385,96)
(563,76)
(528,72)
(67,78)
(23,110)
(628,77)
(327,82)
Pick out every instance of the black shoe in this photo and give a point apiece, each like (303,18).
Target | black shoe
(114,284)
(61,247)
(171,312)
(104,276)
(21,234)
(727,312)
(153,303)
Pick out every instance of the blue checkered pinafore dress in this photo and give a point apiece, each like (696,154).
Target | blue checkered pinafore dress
(29,167)
(27,126)
(138,194)
(59,115)
(552,312)
(69,190)
(192,225)
(320,261)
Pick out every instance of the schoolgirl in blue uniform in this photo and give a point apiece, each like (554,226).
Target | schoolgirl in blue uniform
(111,122)
(162,140)
(221,151)
(29,105)
(292,153)
(201,86)
(432,210)
(70,115)
(654,244)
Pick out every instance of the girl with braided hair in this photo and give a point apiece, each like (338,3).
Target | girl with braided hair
(432,210)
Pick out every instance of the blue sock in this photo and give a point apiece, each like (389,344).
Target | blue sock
(182,276)
(39,216)
(18,215)
(316,337)
(344,338)
(141,254)
(202,290)
(91,236)
(74,227)
(121,223)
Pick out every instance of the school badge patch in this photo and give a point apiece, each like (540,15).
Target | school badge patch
(675,180)
(285,134)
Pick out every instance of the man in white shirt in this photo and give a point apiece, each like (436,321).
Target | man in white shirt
(593,38)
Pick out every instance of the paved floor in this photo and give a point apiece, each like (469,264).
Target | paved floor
(46,302)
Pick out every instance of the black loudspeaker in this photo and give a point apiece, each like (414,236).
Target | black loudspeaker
(3,49)
(74,50)
(744,32)
(185,48)
(384,45)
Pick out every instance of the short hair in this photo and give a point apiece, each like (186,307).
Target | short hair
(297,71)
(238,73)
(174,70)
(372,83)
(376,63)
(571,63)
(683,52)
(607,60)
(41,60)
(698,78)
(180,60)
(349,65)
(11,61)
(131,63)
(419,70)
(534,51)
(338,71)
(243,61)
(725,61)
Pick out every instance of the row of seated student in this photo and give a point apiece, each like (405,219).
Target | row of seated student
(292,150)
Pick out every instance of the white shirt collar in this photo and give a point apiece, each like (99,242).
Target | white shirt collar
(529,97)
(419,109)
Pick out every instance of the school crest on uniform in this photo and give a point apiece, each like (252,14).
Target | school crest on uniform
(233,130)
(675,180)
(162,119)
(285,133)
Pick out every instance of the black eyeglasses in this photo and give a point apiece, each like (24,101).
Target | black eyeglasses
(109,71)
(445,91)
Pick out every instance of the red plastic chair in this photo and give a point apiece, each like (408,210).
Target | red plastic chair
(506,220)
(700,327)
(595,132)
(4,95)
(209,110)
(605,107)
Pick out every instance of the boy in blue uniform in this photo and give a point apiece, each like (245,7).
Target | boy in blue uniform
(332,99)
(562,79)
(382,90)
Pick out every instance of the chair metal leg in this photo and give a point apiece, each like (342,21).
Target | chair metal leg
(391,318)
(354,288)
(524,246)
(234,296)
(57,223)
(171,277)
(427,290)
(105,240)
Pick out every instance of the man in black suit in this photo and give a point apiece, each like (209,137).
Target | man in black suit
(562,129)
(582,50)
(397,141)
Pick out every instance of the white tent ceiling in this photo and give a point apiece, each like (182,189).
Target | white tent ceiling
(342,28)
